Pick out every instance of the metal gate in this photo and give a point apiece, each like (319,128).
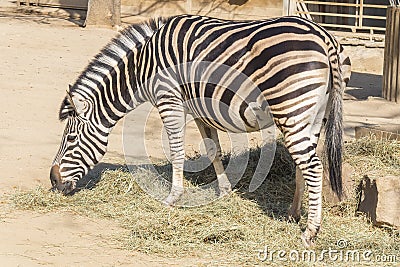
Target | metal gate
(364,16)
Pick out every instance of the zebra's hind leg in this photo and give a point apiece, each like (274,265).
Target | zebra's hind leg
(295,209)
(312,173)
(215,155)
(303,151)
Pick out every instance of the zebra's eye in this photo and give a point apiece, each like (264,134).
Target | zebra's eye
(71,137)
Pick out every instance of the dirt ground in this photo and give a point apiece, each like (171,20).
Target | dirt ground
(40,56)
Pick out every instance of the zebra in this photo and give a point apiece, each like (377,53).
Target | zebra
(297,66)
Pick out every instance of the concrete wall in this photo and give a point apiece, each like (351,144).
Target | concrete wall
(225,9)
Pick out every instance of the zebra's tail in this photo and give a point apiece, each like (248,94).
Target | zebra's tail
(334,125)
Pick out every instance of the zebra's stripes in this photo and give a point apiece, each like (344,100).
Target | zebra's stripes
(288,66)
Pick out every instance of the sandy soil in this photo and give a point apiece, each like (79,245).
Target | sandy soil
(40,57)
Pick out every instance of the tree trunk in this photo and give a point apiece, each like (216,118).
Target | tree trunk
(103,13)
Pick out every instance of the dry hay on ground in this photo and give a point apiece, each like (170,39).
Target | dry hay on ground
(231,230)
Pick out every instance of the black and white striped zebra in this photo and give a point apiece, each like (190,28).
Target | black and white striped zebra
(295,65)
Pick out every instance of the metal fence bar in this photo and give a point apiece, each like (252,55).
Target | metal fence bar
(342,15)
(328,3)
(360,19)
(374,17)
(329,14)
(351,27)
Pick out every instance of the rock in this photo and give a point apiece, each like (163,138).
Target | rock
(381,132)
(348,185)
(103,13)
(380,200)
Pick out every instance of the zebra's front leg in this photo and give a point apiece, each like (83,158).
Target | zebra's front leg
(177,186)
(215,155)
(174,120)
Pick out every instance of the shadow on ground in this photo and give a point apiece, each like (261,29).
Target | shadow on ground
(274,195)
(372,85)
(44,15)
(94,176)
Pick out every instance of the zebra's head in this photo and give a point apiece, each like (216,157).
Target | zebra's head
(82,146)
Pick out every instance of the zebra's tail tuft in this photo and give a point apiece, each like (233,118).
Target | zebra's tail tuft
(334,125)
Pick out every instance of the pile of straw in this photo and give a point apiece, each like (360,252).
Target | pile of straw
(233,229)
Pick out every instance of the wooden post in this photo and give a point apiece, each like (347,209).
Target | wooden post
(388,36)
(391,66)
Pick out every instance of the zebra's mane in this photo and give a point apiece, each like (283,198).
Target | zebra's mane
(128,40)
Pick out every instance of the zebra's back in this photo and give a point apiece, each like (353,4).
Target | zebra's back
(222,67)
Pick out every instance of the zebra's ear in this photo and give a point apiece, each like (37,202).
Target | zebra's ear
(66,109)
(72,105)
(79,103)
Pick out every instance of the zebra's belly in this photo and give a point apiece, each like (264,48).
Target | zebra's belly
(232,118)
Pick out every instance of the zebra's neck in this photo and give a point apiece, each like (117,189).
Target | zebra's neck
(109,82)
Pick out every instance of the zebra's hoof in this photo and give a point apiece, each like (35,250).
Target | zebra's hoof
(293,216)
(225,190)
(308,241)
(292,219)
(173,197)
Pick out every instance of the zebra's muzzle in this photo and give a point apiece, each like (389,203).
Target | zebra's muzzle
(65,188)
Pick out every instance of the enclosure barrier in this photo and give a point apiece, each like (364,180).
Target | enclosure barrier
(356,17)
(391,64)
